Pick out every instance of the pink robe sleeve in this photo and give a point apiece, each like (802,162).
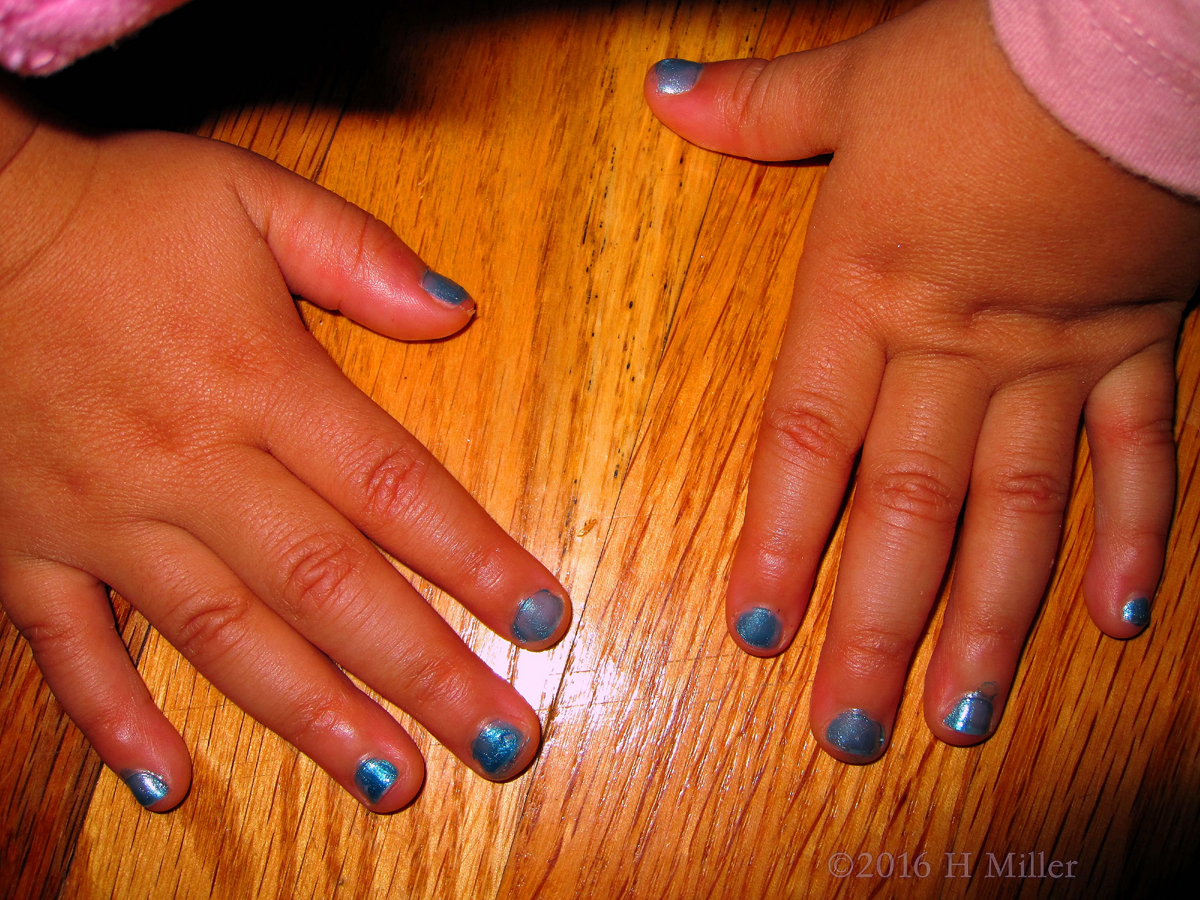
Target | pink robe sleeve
(1123,75)
(38,37)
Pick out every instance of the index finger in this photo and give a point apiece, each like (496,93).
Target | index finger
(371,469)
(816,415)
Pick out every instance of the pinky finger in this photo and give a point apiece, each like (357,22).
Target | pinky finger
(1129,420)
(66,617)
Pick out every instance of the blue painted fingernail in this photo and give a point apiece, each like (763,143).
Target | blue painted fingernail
(537,617)
(442,288)
(147,787)
(1137,611)
(759,627)
(856,733)
(676,76)
(971,715)
(496,747)
(374,777)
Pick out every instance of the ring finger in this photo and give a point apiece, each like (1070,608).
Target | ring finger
(1019,490)
(266,668)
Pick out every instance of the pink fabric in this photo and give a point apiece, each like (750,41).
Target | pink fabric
(1123,75)
(38,37)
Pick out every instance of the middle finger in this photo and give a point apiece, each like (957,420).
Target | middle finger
(319,573)
(915,469)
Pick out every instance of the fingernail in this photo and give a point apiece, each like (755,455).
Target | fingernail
(1137,611)
(496,747)
(147,787)
(374,777)
(676,76)
(442,288)
(971,715)
(537,617)
(759,627)
(856,733)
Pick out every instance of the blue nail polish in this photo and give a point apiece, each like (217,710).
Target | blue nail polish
(442,288)
(856,733)
(1137,611)
(759,627)
(374,777)
(537,617)
(147,787)
(971,715)
(676,76)
(497,746)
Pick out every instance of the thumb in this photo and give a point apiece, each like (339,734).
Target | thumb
(786,108)
(341,258)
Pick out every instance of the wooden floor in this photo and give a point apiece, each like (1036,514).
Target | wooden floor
(632,293)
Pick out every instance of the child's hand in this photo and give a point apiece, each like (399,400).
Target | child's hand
(170,429)
(974,277)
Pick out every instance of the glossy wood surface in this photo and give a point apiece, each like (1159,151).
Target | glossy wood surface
(633,291)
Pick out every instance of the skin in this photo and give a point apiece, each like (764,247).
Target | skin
(974,280)
(172,431)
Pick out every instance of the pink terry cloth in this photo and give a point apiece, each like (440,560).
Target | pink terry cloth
(1123,75)
(38,37)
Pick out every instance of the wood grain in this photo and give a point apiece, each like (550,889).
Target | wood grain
(603,407)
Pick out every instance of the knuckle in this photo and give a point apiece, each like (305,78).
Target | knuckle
(357,241)
(1128,431)
(55,636)
(914,488)
(1025,491)
(439,680)
(393,487)
(316,719)
(869,651)
(209,625)
(360,242)
(811,431)
(988,632)
(748,107)
(321,576)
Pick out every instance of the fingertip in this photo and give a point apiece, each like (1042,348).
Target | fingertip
(542,619)
(148,756)
(854,735)
(1121,578)
(671,77)
(504,747)
(1117,603)
(154,789)
(390,779)
(449,293)
(963,718)
(760,630)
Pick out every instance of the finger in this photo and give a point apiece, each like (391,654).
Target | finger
(67,619)
(782,109)
(915,467)
(1129,419)
(813,424)
(318,573)
(260,663)
(340,257)
(1019,487)
(389,486)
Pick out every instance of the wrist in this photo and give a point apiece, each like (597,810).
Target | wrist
(45,170)
(17,121)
